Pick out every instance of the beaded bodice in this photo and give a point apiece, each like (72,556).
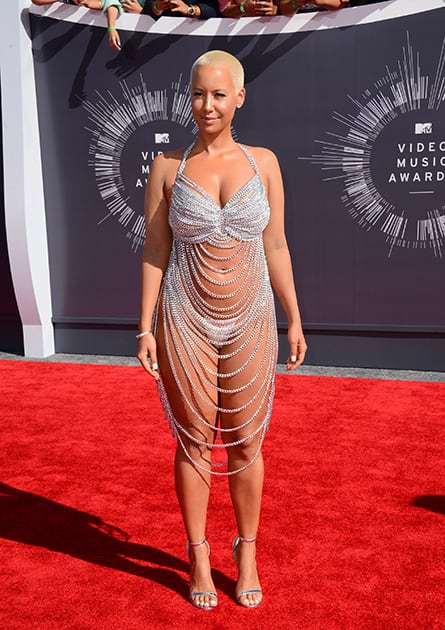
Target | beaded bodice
(196,217)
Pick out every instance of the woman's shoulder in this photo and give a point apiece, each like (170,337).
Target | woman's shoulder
(263,156)
(167,157)
(166,162)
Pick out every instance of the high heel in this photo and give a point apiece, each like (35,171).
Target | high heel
(242,595)
(213,597)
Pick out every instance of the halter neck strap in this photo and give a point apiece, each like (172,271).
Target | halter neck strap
(184,158)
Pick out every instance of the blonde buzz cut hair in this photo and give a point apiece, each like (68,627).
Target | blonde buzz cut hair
(220,58)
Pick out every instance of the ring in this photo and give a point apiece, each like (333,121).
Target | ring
(293,358)
(154,366)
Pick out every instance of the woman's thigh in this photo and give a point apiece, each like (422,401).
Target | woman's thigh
(189,377)
(247,373)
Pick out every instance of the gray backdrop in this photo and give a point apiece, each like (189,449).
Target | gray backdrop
(356,118)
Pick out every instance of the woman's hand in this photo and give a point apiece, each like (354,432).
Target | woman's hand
(131,6)
(297,347)
(114,41)
(146,355)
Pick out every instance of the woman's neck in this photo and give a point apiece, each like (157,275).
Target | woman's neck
(214,143)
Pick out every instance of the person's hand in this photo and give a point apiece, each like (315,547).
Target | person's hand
(146,355)
(131,6)
(249,8)
(179,7)
(297,347)
(160,6)
(264,7)
(89,4)
(114,41)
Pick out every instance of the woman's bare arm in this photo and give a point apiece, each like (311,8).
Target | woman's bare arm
(278,256)
(158,243)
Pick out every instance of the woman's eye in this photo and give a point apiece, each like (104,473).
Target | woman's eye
(220,95)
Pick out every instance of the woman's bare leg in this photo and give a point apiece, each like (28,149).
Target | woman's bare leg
(246,486)
(192,490)
(246,489)
(192,484)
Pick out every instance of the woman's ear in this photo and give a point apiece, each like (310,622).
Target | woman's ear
(241,98)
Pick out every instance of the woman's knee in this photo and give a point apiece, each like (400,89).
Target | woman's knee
(244,452)
(199,448)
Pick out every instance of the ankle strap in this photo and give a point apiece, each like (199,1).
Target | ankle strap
(246,540)
(197,544)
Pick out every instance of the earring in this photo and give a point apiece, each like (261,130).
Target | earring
(238,107)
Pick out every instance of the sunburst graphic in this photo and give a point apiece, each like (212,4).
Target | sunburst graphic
(129,131)
(391,157)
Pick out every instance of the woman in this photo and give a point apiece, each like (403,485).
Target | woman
(215,233)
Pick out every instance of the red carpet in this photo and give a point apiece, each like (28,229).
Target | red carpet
(353,525)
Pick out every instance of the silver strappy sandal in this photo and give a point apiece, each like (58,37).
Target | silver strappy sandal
(213,597)
(242,594)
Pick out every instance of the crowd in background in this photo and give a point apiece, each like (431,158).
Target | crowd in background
(222,7)
(203,9)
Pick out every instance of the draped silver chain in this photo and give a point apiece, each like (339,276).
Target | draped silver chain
(217,303)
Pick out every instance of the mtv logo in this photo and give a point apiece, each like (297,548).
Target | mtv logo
(423,128)
(162,138)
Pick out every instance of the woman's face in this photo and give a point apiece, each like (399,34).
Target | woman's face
(214,97)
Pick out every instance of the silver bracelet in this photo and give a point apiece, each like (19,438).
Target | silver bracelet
(142,334)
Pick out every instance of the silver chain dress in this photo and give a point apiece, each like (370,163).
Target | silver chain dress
(217,311)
